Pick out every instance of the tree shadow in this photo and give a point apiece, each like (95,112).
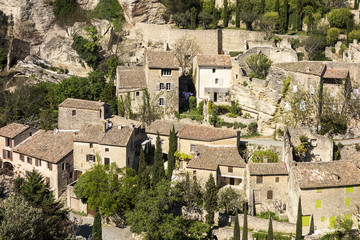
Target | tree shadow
(85,231)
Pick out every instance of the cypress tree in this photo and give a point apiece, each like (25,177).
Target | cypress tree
(270,235)
(262,6)
(298,15)
(143,181)
(286,15)
(172,150)
(245,226)
(225,14)
(193,18)
(277,7)
(237,14)
(236,227)
(97,228)
(215,18)
(299,222)
(158,168)
(210,199)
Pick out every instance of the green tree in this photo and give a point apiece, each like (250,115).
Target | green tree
(332,36)
(215,20)
(259,65)
(193,18)
(67,12)
(112,63)
(339,17)
(108,95)
(19,220)
(237,14)
(262,6)
(225,13)
(38,195)
(284,17)
(148,111)
(299,222)
(230,199)
(172,150)
(97,227)
(277,6)
(210,199)
(97,83)
(298,15)
(270,235)
(158,169)
(87,50)
(355,34)
(205,19)
(143,180)
(236,235)
(245,225)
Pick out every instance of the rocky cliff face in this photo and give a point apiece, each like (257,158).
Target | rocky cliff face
(149,11)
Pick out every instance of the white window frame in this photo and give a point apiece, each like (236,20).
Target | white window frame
(161,102)
(166,72)
(192,147)
(162,86)
(168,86)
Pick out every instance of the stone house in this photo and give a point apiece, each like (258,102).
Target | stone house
(267,187)
(189,135)
(327,190)
(10,137)
(212,77)
(223,162)
(74,113)
(159,76)
(51,154)
(110,143)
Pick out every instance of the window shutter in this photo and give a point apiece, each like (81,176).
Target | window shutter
(270,194)
(220,81)
(11,156)
(10,143)
(164,101)
(4,154)
(158,87)
(87,157)
(171,86)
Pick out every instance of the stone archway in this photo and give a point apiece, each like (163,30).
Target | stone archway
(8,169)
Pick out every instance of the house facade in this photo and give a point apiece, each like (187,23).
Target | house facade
(74,113)
(212,75)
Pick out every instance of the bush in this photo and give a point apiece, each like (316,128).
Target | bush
(332,36)
(200,108)
(339,17)
(295,43)
(333,124)
(300,56)
(244,83)
(192,103)
(304,139)
(354,35)
(235,109)
(342,48)
(239,125)
(253,127)
(280,132)
(259,65)
(235,53)
(357,147)
(286,83)
(258,156)
(110,10)
(90,55)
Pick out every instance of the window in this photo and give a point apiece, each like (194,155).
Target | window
(22,157)
(37,162)
(306,221)
(8,155)
(332,222)
(7,142)
(90,158)
(73,112)
(71,175)
(192,147)
(29,160)
(165,72)
(347,202)
(214,70)
(106,149)
(106,161)
(322,219)
(277,179)
(270,194)
(259,179)
(137,94)
(348,216)
(50,166)
(216,81)
(47,181)
(162,141)
(230,169)
(236,76)
(318,190)
(232,181)
(128,161)
(30,134)
(318,203)
(161,102)
(349,189)
(162,86)
(63,166)
(194,172)
(91,145)
(168,86)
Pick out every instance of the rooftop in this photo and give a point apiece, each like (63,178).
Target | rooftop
(161,59)
(48,146)
(214,60)
(131,77)
(336,73)
(210,157)
(81,104)
(12,130)
(327,174)
(94,133)
(191,131)
(267,169)
(306,67)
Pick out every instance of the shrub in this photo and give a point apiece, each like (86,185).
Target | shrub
(200,108)
(192,103)
(300,56)
(280,132)
(235,109)
(295,43)
(244,83)
(357,147)
(340,145)
(90,55)
(333,124)
(354,35)
(235,53)
(110,10)
(342,48)
(332,36)
(259,65)
(239,125)
(339,17)
(304,139)
(258,156)
(333,50)
(253,127)
(286,83)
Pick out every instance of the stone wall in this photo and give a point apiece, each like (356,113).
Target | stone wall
(18,50)
(263,224)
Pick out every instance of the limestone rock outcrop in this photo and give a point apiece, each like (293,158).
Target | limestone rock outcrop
(148,11)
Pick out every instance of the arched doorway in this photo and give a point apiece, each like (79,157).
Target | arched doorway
(8,169)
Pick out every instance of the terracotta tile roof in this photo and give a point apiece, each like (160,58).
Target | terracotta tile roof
(161,59)
(164,127)
(313,68)
(205,133)
(81,104)
(12,130)
(210,157)
(131,77)
(46,145)
(190,131)
(267,169)
(336,73)
(117,120)
(327,174)
(213,60)
(94,133)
